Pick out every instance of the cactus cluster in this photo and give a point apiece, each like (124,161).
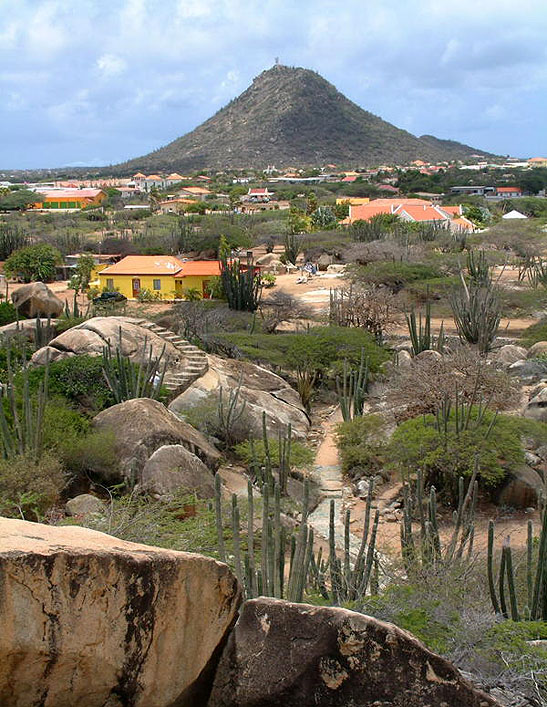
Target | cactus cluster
(22,426)
(421,338)
(352,389)
(285,559)
(535,604)
(241,284)
(428,549)
(264,473)
(230,411)
(127,380)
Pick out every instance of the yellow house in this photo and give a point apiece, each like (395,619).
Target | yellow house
(165,276)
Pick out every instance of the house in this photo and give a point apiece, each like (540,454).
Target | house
(164,275)
(388,188)
(352,200)
(71,199)
(200,193)
(411,210)
(513,215)
(509,192)
(473,190)
(174,206)
(537,161)
(259,195)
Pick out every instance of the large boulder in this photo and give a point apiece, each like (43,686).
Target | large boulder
(84,504)
(141,426)
(509,354)
(537,349)
(123,333)
(173,467)
(29,329)
(91,620)
(529,372)
(261,390)
(36,300)
(522,489)
(295,655)
(536,409)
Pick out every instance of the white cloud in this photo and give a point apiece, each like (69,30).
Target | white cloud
(111,65)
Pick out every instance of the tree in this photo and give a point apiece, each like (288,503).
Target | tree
(35,262)
(20,200)
(323,217)
(84,268)
(282,307)
(312,203)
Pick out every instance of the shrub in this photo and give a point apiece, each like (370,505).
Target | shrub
(8,313)
(444,454)
(301,456)
(361,446)
(395,275)
(28,488)
(78,379)
(536,332)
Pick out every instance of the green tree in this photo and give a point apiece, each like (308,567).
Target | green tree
(312,203)
(35,262)
(84,268)
(19,200)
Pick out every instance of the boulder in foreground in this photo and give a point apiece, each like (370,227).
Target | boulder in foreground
(91,620)
(296,655)
(36,300)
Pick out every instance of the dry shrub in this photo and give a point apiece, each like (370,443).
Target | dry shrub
(420,387)
(29,487)
(373,308)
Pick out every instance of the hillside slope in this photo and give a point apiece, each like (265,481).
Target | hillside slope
(292,116)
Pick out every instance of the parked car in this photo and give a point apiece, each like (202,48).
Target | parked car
(108,297)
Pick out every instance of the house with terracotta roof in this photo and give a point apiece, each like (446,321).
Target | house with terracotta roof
(69,199)
(175,206)
(411,210)
(200,193)
(258,195)
(509,192)
(165,276)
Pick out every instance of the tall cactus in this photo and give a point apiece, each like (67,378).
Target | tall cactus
(352,389)
(535,607)
(421,337)
(241,284)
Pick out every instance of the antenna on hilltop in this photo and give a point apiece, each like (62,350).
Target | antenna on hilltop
(277,61)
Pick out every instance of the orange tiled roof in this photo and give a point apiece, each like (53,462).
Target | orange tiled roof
(145,265)
(422,213)
(452,210)
(505,190)
(162,265)
(197,190)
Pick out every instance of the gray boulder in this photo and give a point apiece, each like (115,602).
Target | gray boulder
(509,354)
(260,389)
(141,426)
(429,355)
(171,468)
(83,505)
(297,655)
(529,371)
(36,300)
(537,406)
(522,489)
(537,349)
(27,328)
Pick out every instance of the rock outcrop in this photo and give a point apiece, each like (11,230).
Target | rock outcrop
(173,467)
(141,426)
(90,620)
(522,489)
(297,655)
(536,409)
(84,504)
(509,354)
(36,300)
(27,328)
(537,349)
(261,390)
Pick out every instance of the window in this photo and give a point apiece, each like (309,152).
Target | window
(110,284)
(157,284)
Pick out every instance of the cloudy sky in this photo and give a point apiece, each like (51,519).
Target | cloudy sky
(99,81)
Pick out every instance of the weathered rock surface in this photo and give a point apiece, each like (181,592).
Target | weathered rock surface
(27,328)
(537,349)
(537,406)
(90,620)
(429,355)
(36,300)
(93,335)
(297,655)
(84,504)
(529,372)
(510,354)
(173,467)
(260,389)
(521,490)
(141,426)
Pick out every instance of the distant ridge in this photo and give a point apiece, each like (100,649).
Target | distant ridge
(294,117)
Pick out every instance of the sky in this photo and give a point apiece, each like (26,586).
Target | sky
(96,82)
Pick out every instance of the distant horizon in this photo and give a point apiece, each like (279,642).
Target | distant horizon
(104,85)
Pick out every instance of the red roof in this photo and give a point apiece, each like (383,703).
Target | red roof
(349,179)
(422,213)
(506,190)
(162,265)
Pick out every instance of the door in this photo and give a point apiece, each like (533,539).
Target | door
(136,287)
